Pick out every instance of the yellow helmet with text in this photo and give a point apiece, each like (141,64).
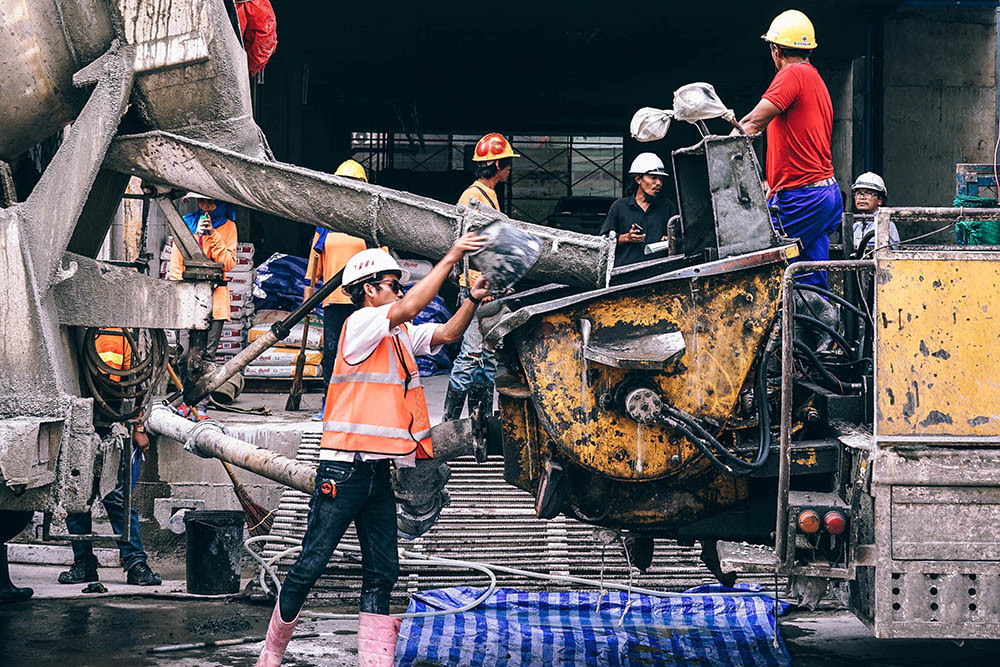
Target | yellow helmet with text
(791,29)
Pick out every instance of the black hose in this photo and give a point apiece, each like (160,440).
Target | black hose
(836,384)
(703,435)
(859,252)
(836,335)
(681,428)
(128,388)
(834,297)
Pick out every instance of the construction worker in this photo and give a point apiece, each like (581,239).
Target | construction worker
(797,112)
(214,227)
(640,216)
(869,194)
(375,417)
(474,370)
(114,351)
(331,250)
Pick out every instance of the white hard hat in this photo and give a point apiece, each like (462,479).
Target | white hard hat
(648,163)
(870,181)
(369,263)
(195,195)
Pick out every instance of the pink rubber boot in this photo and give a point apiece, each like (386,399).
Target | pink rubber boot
(377,640)
(279,633)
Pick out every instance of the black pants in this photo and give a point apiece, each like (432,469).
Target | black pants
(364,496)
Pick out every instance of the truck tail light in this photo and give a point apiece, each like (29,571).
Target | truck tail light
(808,521)
(834,522)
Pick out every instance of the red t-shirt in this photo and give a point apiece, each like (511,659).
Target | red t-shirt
(798,139)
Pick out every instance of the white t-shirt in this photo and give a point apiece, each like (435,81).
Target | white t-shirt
(363,331)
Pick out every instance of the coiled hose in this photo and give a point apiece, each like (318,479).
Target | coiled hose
(121,394)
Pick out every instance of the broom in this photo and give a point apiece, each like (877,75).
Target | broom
(259,520)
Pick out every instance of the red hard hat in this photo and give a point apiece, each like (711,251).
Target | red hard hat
(493,147)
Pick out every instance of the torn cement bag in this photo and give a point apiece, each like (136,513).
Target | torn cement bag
(699,101)
(649,124)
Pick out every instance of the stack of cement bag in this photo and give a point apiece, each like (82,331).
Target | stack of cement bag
(279,361)
(241,307)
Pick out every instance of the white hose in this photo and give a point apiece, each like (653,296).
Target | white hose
(411,558)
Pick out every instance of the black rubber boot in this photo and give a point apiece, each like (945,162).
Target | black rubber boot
(454,401)
(8,591)
(80,572)
(140,575)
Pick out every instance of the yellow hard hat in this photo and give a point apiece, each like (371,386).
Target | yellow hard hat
(493,146)
(792,29)
(351,169)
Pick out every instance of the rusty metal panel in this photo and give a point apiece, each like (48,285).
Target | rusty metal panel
(723,319)
(937,346)
(945,523)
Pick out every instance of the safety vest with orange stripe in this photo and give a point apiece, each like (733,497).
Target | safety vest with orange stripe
(377,406)
(113,350)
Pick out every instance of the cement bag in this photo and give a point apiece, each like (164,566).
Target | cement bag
(418,268)
(294,338)
(287,356)
(311,371)
(699,101)
(649,124)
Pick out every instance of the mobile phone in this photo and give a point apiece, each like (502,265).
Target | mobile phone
(637,227)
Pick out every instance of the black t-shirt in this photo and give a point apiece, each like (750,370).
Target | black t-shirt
(653,221)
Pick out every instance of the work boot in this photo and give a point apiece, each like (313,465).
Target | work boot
(454,401)
(78,573)
(8,591)
(279,633)
(377,636)
(140,575)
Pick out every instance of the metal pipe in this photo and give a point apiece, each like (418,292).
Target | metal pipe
(941,213)
(278,331)
(209,440)
(787,331)
(379,215)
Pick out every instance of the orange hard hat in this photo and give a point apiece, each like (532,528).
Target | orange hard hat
(493,147)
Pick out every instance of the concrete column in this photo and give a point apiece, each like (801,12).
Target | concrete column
(939,99)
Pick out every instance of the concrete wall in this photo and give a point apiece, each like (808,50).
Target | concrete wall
(939,74)
(839,81)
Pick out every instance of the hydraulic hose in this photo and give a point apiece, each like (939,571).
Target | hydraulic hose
(836,335)
(121,394)
(835,384)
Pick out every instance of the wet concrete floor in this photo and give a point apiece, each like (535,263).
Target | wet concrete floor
(119,631)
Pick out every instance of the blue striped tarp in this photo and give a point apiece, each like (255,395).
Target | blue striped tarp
(519,628)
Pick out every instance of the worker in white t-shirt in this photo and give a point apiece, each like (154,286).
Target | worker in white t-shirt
(375,416)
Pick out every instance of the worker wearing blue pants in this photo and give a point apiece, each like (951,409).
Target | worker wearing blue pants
(797,113)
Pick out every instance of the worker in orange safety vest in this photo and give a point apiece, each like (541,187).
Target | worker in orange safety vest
(375,416)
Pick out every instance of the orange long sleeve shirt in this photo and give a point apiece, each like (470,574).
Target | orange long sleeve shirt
(219,247)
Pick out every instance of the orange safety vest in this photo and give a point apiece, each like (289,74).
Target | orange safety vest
(113,350)
(377,406)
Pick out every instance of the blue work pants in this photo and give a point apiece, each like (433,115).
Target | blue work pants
(809,214)
(475,363)
(80,523)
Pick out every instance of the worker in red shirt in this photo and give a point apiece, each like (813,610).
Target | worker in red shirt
(798,114)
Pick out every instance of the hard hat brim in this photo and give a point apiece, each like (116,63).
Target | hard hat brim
(651,172)
(196,195)
(404,276)
(476,158)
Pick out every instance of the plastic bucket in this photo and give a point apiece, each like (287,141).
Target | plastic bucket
(214,539)
(508,255)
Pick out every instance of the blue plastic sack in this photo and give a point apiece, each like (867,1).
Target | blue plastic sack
(438,364)
(280,283)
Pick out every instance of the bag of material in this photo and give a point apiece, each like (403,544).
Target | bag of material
(692,103)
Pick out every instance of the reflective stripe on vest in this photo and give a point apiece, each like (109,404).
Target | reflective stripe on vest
(377,406)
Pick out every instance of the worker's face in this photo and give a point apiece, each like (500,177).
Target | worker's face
(650,185)
(866,201)
(206,205)
(504,173)
(388,289)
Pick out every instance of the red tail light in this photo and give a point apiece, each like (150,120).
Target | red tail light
(834,522)
(808,521)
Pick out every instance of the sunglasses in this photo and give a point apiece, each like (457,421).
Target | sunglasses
(394,285)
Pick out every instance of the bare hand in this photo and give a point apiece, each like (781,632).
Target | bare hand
(471,242)
(632,236)
(481,290)
(140,440)
(205,226)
